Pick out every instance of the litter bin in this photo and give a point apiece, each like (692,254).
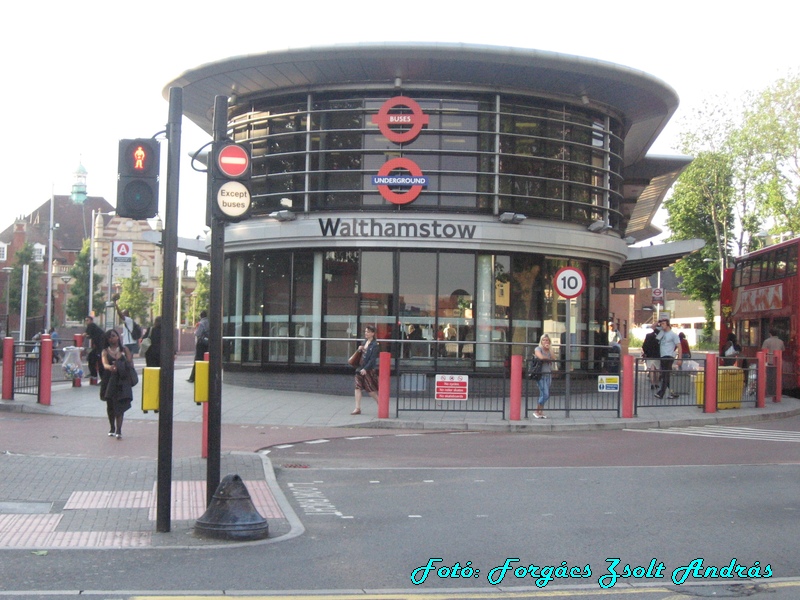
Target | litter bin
(730,386)
(683,382)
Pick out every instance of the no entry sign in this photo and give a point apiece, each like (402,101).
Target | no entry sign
(233,160)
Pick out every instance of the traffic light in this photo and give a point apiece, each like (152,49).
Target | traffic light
(230,170)
(137,185)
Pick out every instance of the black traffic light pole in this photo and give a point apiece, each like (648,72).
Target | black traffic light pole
(220,127)
(169,240)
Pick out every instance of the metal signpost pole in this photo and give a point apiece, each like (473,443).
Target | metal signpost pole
(220,127)
(169,237)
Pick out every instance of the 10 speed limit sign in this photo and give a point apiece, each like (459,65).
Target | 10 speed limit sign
(569,282)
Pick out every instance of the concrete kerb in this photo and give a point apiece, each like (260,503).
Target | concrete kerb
(789,407)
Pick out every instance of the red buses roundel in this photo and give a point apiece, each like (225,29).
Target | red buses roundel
(411,123)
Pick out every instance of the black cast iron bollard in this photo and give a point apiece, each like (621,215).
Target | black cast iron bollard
(231,514)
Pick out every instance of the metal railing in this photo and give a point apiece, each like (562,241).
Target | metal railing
(26,368)
(584,386)
(686,384)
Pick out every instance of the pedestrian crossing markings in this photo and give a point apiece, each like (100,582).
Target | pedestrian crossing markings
(720,431)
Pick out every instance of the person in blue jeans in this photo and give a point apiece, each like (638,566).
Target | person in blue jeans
(542,352)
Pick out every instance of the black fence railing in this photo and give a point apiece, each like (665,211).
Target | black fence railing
(578,389)
(464,382)
(685,384)
(26,368)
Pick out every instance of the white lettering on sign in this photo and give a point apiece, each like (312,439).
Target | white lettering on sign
(451,387)
(608,383)
(769,297)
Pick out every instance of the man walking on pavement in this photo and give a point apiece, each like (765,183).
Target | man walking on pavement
(669,343)
(128,340)
(201,341)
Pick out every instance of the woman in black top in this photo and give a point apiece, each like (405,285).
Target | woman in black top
(116,387)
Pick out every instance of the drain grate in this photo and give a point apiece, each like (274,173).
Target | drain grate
(295,466)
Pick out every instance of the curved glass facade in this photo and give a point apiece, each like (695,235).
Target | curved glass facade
(455,309)
(480,153)
(466,305)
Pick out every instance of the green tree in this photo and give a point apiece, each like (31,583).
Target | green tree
(771,128)
(78,301)
(203,290)
(36,276)
(132,296)
(701,206)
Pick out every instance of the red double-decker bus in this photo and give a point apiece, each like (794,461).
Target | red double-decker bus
(761,292)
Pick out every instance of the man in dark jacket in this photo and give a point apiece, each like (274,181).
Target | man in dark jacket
(95,336)
(201,334)
(651,351)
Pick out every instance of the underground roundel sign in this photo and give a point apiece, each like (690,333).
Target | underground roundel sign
(411,183)
(400,127)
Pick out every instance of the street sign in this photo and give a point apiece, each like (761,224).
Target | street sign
(658,296)
(233,199)
(451,387)
(608,383)
(401,127)
(121,260)
(569,282)
(233,160)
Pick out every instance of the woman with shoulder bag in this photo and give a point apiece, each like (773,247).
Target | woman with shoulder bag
(367,372)
(119,377)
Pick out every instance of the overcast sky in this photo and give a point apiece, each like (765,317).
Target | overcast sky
(78,76)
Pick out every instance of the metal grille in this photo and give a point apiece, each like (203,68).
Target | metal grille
(578,389)
(486,392)
(736,385)
(26,368)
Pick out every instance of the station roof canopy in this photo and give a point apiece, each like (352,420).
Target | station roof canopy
(643,103)
(648,260)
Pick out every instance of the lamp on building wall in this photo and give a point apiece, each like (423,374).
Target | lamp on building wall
(283,215)
(598,226)
(512,218)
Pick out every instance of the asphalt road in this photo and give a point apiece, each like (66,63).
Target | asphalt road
(376,508)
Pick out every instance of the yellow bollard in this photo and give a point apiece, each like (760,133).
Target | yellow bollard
(201,381)
(151,395)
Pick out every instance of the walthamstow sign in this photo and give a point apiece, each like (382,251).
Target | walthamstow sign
(400,128)
(395,228)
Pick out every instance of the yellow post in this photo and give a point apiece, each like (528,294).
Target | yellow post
(201,381)
(151,396)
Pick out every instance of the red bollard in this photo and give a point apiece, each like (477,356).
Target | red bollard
(778,376)
(384,384)
(515,403)
(711,373)
(628,369)
(45,370)
(8,368)
(761,386)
